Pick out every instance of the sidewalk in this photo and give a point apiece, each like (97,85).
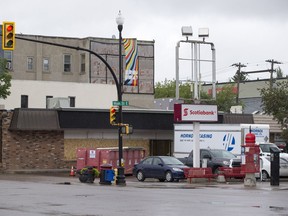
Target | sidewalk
(37,171)
(237,185)
(63,176)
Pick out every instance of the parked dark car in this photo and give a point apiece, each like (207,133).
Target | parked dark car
(159,167)
(215,158)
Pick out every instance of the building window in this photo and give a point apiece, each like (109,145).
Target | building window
(67,63)
(45,64)
(24,101)
(47,100)
(30,62)
(72,101)
(82,69)
(8,57)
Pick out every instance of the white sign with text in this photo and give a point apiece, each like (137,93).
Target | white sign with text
(193,112)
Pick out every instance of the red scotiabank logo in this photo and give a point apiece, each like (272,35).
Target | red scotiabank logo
(185,112)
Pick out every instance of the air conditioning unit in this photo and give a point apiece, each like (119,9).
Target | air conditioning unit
(9,65)
(236,109)
(59,102)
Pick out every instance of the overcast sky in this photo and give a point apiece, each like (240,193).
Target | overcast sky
(246,31)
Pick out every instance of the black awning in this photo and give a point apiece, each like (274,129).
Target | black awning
(99,119)
(34,119)
(53,119)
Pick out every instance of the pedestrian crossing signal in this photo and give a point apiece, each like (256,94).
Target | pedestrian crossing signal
(127,129)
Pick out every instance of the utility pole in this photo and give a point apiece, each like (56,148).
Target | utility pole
(239,65)
(272,61)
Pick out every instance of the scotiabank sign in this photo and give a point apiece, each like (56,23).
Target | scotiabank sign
(195,112)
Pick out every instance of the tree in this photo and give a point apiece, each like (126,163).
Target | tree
(5,80)
(279,73)
(275,103)
(167,89)
(226,98)
(242,77)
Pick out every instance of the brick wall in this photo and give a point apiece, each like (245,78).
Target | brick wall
(31,149)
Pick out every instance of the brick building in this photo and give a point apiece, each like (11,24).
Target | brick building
(48,138)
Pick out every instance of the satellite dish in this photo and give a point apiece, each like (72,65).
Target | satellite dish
(113,37)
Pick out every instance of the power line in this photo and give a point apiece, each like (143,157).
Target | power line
(272,61)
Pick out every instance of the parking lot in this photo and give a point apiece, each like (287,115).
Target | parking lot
(30,194)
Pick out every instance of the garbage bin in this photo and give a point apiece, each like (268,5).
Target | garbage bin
(106,174)
(274,166)
(109,175)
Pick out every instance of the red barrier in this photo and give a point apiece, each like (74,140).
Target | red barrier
(191,173)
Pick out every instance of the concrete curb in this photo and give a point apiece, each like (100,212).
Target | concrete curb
(37,171)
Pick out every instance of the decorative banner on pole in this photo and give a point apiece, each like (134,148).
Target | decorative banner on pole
(131,58)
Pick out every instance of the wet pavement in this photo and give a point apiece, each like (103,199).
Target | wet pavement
(60,194)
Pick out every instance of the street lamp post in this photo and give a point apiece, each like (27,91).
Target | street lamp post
(120,179)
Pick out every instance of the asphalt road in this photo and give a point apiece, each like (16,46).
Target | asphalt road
(65,196)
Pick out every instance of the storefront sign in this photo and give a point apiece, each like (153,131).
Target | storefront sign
(195,112)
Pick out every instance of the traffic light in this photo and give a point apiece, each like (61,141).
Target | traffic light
(8,36)
(113,115)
